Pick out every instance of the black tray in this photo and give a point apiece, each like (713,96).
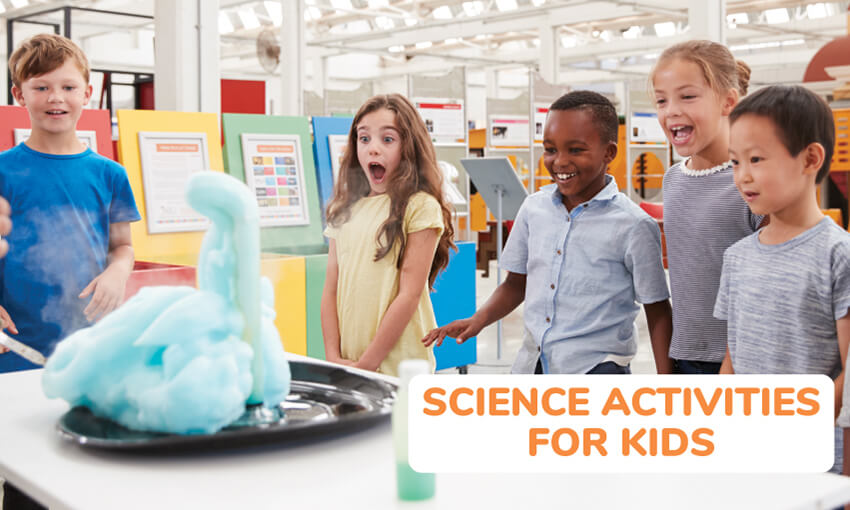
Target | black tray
(324,399)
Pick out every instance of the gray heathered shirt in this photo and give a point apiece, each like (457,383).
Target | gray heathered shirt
(703,215)
(781,303)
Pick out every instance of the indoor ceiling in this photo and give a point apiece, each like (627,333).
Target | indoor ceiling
(598,40)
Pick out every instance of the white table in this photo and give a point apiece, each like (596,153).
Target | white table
(350,472)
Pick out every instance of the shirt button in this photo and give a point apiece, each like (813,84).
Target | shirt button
(559,252)
(538,348)
(548,319)
(551,285)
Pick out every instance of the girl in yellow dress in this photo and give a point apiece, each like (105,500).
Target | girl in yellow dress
(390,233)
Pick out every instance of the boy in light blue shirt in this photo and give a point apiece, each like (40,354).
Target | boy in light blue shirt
(581,255)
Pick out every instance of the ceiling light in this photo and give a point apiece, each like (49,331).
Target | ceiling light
(248,18)
(224,24)
(568,41)
(377,4)
(275,12)
(19,3)
(538,3)
(665,29)
(739,18)
(312,13)
(384,22)
(506,5)
(774,16)
(473,8)
(396,49)
(815,11)
(342,4)
(409,22)
(442,12)
(421,45)
(632,33)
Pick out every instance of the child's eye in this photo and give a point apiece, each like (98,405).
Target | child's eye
(689,96)
(549,150)
(755,159)
(363,139)
(41,89)
(388,139)
(576,150)
(69,87)
(734,162)
(660,101)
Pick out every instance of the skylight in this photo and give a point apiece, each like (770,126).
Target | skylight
(773,16)
(275,12)
(506,5)
(665,29)
(473,8)
(443,12)
(248,18)
(224,24)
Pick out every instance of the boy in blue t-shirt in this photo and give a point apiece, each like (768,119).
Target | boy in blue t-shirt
(581,255)
(785,289)
(70,253)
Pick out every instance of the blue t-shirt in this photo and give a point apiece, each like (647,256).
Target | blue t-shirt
(585,270)
(62,206)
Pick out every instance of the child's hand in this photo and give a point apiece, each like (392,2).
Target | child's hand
(462,329)
(6,323)
(5,225)
(108,292)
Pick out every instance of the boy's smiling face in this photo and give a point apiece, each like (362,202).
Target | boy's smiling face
(55,100)
(769,178)
(575,155)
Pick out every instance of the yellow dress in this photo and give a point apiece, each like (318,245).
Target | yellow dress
(366,288)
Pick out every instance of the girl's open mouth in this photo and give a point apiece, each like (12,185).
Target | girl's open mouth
(378,172)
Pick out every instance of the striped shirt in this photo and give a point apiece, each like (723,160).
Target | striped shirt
(703,215)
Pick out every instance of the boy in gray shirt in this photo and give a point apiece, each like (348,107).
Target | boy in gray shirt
(785,290)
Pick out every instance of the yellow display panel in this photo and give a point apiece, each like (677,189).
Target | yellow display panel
(169,248)
(288,277)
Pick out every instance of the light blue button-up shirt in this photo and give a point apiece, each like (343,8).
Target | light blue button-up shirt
(586,271)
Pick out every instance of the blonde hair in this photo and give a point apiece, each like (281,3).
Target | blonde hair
(44,53)
(417,171)
(719,68)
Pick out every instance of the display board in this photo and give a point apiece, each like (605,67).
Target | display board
(168,161)
(445,120)
(13,118)
(329,135)
(165,247)
(275,175)
(293,238)
(646,128)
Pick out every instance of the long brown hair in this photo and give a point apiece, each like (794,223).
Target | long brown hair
(417,171)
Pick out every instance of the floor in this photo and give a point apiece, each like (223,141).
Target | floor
(490,363)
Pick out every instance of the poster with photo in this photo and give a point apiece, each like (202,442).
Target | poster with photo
(645,128)
(168,160)
(336,146)
(539,122)
(508,131)
(444,120)
(87,138)
(275,174)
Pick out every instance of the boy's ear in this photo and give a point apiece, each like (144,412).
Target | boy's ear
(88,94)
(610,152)
(730,99)
(813,158)
(18,95)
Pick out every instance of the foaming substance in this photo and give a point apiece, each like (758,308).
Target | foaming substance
(179,359)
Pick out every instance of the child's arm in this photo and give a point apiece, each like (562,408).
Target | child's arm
(659,317)
(6,323)
(107,288)
(413,278)
(330,320)
(5,225)
(842,328)
(505,298)
(726,366)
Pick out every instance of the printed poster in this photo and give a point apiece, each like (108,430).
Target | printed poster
(645,128)
(508,131)
(444,120)
(168,160)
(87,138)
(274,172)
(540,113)
(337,145)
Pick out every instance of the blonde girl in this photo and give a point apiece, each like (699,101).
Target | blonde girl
(390,232)
(696,85)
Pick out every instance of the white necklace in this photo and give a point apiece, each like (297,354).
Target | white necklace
(703,171)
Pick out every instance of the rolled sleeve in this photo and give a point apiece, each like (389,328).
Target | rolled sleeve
(644,261)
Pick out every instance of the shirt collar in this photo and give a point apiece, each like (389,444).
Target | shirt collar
(607,193)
